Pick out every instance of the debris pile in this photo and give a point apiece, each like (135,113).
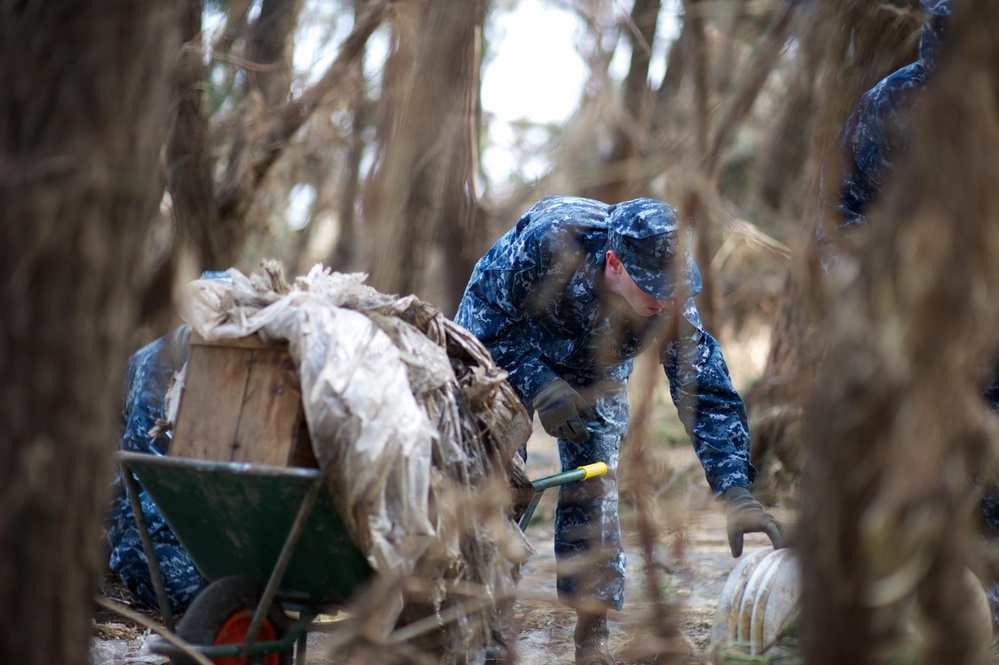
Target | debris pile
(414,426)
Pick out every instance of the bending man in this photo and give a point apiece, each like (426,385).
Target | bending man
(564,302)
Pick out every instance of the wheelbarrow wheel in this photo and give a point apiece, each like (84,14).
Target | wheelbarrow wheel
(222,614)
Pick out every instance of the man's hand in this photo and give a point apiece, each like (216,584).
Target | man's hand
(746,515)
(561,410)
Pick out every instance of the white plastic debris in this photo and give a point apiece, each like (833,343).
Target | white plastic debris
(394,427)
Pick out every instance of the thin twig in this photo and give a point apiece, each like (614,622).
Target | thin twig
(145,622)
(426,624)
(674,477)
(630,22)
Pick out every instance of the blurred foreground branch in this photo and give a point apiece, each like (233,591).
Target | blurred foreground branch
(895,422)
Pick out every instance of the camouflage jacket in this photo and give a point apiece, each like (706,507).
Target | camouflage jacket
(150,370)
(534,301)
(873,140)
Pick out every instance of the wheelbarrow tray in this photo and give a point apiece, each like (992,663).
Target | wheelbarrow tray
(234,519)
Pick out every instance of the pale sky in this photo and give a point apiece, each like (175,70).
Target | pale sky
(534,73)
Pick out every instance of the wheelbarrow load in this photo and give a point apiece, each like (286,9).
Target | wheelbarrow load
(410,431)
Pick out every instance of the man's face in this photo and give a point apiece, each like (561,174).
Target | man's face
(621,283)
(643,303)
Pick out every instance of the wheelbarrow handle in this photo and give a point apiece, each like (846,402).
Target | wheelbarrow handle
(541,484)
(579,473)
(593,470)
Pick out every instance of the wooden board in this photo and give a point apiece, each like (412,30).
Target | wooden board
(268,421)
(241,403)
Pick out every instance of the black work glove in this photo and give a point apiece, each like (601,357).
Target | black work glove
(746,515)
(561,410)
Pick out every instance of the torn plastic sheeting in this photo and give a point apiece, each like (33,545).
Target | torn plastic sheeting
(370,436)
(428,364)
(477,424)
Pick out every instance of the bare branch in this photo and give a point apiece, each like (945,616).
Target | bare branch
(763,63)
(146,623)
(239,185)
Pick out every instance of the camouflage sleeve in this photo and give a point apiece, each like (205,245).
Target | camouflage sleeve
(709,406)
(150,370)
(494,310)
(870,142)
(862,146)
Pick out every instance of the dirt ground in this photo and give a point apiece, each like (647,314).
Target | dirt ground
(692,559)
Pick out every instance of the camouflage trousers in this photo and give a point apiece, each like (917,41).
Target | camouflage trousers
(181,579)
(590,558)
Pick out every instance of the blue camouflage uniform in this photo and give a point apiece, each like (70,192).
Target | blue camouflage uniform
(873,140)
(534,300)
(148,378)
(875,137)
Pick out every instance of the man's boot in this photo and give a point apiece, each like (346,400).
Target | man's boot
(591,639)
(497,653)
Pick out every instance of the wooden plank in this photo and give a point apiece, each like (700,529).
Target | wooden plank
(242,403)
(271,402)
(249,342)
(210,406)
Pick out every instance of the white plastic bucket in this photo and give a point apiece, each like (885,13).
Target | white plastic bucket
(760,601)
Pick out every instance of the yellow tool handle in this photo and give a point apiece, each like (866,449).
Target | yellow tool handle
(593,470)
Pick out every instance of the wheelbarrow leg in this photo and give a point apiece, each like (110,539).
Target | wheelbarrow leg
(297,527)
(155,574)
(525,519)
(300,648)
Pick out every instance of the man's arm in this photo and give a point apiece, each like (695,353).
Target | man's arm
(507,332)
(495,308)
(709,406)
(715,418)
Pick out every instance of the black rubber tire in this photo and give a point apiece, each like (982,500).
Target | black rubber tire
(219,601)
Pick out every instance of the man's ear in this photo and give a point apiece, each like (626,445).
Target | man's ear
(614,264)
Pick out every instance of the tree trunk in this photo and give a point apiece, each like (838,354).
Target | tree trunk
(269,50)
(189,167)
(896,420)
(422,198)
(857,45)
(270,46)
(787,143)
(692,206)
(462,226)
(631,133)
(346,253)
(669,88)
(82,122)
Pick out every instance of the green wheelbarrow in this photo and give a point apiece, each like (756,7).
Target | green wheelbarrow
(268,540)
